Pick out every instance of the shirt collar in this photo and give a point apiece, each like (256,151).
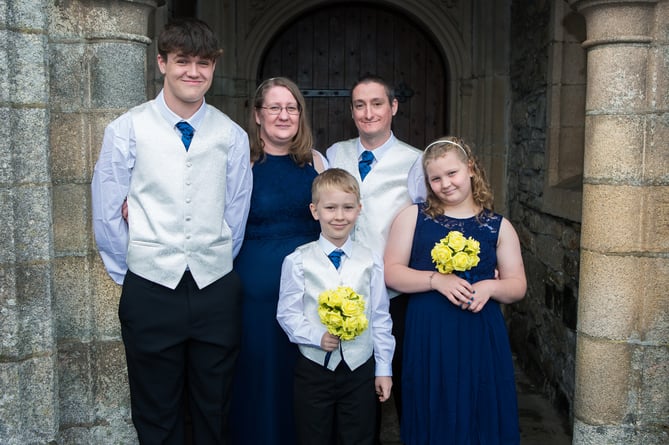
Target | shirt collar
(381,150)
(328,247)
(170,116)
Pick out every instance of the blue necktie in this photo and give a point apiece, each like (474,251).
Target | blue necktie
(186,133)
(365,163)
(335,257)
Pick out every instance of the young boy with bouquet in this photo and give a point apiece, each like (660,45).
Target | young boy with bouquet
(333,304)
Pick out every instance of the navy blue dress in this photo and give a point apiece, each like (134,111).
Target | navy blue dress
(458,385)
(279,221)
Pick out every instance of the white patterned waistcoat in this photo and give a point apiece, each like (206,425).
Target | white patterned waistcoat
(320,275)
(384,192)
(176,200)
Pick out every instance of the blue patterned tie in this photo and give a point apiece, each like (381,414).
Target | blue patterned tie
(365,163)
(335,257)
(186,133)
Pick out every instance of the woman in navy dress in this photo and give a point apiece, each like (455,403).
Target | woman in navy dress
(284,166)
(458,381)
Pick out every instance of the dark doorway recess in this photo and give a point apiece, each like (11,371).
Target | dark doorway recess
(327,49)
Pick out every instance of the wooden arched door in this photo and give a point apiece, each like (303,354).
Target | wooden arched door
(326,50)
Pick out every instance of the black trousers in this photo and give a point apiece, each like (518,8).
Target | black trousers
(334,407)
(398,311)
(186,338)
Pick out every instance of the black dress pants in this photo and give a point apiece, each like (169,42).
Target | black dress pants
(398,311)
(334,407)
(177,339)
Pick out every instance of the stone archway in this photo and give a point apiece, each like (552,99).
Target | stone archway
(326,50)
(268,19)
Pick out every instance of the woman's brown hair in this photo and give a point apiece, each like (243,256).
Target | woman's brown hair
(300,149)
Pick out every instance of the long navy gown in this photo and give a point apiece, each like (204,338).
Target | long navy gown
(458,385)
(279,221)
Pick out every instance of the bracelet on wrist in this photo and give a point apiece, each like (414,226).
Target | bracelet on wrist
(432,276)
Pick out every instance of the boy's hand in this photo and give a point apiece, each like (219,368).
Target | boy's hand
(329,342)
(383,385)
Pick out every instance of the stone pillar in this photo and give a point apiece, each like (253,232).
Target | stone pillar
(622,357)
(28,381)
(97,67)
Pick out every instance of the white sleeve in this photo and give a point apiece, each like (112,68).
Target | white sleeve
(238,188)
(416,182)
(381,323)
(109,189)
(290,309)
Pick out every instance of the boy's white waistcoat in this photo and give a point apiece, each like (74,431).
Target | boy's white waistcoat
(176,200)
(320,275)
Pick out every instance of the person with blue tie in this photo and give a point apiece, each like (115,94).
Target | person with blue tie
(170,197)
(337,381)
(391,178)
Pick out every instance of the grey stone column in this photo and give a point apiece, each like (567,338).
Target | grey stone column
(28,382)
(98,55)
(622,357)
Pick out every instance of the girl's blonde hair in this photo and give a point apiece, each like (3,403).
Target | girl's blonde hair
(481,191)
(303,142)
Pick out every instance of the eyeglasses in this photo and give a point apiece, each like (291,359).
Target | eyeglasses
(275,109)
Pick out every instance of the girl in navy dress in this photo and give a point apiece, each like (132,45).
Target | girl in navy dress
(458,383)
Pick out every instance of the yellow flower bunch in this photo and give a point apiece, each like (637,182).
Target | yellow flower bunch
(455,252)
(342,311)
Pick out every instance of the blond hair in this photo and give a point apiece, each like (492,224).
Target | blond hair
(334,178)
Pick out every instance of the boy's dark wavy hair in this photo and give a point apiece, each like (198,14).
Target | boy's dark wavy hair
(188,36)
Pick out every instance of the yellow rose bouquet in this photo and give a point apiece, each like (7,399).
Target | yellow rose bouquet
(454,252)
(342,311)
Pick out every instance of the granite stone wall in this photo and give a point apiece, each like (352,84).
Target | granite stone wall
(622,350)
(28,377)
(98,54)
(67,69)
(543,325)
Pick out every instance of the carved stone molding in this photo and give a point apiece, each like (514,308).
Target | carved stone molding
(616,21)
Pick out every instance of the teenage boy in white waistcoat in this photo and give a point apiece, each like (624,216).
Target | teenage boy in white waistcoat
(337,382)
(390,181)
(171,193)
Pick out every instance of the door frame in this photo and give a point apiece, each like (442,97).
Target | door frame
(447,38)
